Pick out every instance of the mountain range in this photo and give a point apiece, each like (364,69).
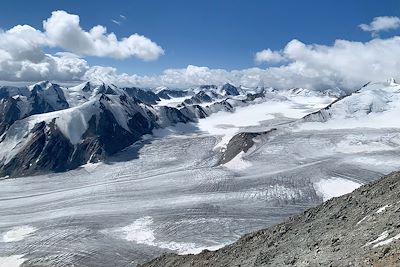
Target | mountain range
(46,127)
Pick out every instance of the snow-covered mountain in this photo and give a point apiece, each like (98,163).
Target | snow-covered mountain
(19,103)
(375,105)
(166,93)
(47,127)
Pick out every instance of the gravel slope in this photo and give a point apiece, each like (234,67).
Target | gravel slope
(358,229)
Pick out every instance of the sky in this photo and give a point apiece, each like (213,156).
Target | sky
(181,43)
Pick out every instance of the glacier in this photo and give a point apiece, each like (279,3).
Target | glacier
(167,192)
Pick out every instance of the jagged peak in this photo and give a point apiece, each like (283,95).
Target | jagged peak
(42,85)
(391,82)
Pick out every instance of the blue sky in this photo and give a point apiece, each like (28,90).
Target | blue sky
(217,34)
(312,43)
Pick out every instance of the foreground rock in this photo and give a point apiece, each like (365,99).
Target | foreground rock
(358,229)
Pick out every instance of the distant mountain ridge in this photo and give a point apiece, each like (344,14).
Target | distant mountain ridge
(45,127)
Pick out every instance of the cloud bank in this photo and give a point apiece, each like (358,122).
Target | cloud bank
(345,64)
(22,56)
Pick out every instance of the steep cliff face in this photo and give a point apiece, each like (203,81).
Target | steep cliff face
(46,127)
(358,229)
(42,132)
(19,103)
(88,122)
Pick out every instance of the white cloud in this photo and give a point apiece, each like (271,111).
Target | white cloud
(345,64)
(22,57)
(63,30)
(383,23)
(267,55)
(116,22)
(99,74)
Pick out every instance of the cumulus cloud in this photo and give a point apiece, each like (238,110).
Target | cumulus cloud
(22,56)
(267,55)
(63,30)
(344,64)
(384,23)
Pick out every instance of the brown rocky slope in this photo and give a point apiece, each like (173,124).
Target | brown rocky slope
(358,229)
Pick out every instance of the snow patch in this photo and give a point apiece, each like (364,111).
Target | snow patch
(173,102)
(90,167)
(334,187)
(11,261)
(363,219)
(381,237)
(238,163)
(382,209)
(18,233)
(141,232)
(72,122)
(387,241)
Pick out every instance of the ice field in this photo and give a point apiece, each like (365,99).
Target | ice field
(166,194)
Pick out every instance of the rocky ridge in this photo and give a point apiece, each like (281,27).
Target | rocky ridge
(357,229)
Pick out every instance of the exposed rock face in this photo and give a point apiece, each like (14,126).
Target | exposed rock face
(201,97)
(229,89)
(9,113)
(147,97)
(251,97)
(45,127)
(358,229)
(169,93)
(208,87)
(8,91)
(48,149)
(103,120)
(241,142)
(325,113)
(19,103)
(194,111)
(46,97)
(172,114)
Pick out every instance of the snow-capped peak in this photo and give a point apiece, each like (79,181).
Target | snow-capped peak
(392,82)
(43,85)
(160,88)
(85,87)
